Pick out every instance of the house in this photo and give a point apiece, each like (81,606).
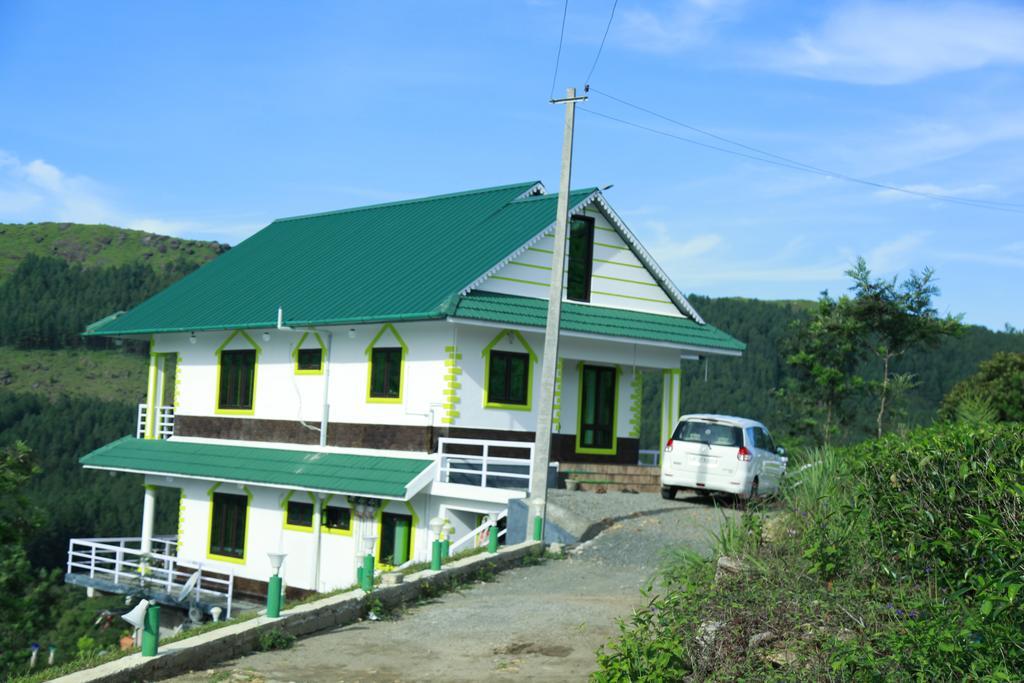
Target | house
(337,380)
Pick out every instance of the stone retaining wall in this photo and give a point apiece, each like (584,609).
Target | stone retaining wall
(235,640)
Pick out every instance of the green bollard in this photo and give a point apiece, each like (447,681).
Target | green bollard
(435,555)
(359,576)
(151,631)
(492,540)
(367,578)
(274,597)
(446,548)
(538,528)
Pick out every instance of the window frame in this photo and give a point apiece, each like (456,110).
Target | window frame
(219,353)
(224,375)
(588,259)
(505,402)
(332,530)
(390,350)
(299,349)
(221,556)
(286,505)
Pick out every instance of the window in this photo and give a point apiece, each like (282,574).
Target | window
(237,376)
(710,433)
(227,525)
(299,514)
(581,255)
(337,519)
(508,378)
(309,360)
(386,373)
(597,408)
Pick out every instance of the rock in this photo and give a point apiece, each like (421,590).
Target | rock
(729,566)
(759,639)
(556,548)
(148,239)
(781,658)
(6,377)
(778,527)
(162,248)
(392,579)
(707,632)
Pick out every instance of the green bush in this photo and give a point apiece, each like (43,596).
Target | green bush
(275,639)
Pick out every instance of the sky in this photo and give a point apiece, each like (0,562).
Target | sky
(209,120)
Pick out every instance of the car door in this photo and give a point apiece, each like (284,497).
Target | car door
(772,463)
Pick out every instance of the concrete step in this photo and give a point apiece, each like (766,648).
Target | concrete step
(607,469)
(639,488)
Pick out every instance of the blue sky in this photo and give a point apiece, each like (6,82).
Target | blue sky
(209,120)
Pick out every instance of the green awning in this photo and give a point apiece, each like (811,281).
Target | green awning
(364,475)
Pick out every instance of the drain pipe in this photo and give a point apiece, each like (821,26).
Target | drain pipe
(325,413)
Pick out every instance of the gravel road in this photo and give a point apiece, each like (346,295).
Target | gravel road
(540,623)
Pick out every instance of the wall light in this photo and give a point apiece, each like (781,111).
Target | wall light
(192,338)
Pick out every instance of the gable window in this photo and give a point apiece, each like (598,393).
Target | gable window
(581,256)
(386,373)
(337,519)
(309,360)
(299,515)
(508,378)
(227,525)
(237,379)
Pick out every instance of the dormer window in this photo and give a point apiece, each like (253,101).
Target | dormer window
(581,257)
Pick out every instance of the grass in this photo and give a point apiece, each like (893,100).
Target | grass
(103,375)
(96,245)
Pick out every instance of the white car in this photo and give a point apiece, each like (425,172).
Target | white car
(721,453)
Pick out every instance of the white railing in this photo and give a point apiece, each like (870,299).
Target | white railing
(120,561)
(649,458)
(164,427)
(483,469)
(475,533)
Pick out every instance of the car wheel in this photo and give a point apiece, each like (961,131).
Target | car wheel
(668,492)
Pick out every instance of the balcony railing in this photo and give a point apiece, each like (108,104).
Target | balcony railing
(164,427)
(118,565)
(481,468)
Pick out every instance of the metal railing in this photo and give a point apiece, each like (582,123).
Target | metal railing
(164,427)
(485,469)
(121,562)
(476,533)
(649,458)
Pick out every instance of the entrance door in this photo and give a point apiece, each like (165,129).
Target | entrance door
(395,536)
(597,409)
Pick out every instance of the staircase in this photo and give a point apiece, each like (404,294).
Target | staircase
(636,478)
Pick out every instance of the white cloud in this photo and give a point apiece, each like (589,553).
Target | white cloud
(898,254)
(39,191)
(685,24)
(886,44)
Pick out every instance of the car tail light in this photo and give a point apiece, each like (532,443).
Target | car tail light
(743,455)
(668,446)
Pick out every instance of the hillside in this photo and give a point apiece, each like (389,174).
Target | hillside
(78,373)
(97,246)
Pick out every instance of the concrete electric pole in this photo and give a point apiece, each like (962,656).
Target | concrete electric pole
(542,445)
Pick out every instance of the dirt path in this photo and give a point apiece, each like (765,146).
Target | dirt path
(541,623)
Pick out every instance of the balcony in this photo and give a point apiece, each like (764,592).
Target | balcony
(118,565)
(163,426)
(470,462)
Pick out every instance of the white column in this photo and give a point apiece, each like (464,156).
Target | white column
(668,418)
(148,511)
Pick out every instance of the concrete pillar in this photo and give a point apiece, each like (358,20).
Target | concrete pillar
(148,512)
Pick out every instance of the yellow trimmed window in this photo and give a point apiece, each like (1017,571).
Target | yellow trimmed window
(337,520)
(299,515)
(386,373)
(309,360)
(237,379)
(227,525)
(508,382)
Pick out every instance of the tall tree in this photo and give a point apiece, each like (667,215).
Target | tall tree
(998,384)
(897,317)
(825,352)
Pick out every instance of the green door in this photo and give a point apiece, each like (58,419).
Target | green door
(597,408)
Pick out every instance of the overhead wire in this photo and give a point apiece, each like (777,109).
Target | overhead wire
(558,55)
(586,81)
(786,162)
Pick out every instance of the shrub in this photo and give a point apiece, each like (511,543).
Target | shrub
(275,639)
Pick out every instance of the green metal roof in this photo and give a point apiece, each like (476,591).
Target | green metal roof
(398,261)
(612,322)
(367,475)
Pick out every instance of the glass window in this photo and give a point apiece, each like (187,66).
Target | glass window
(310,359)
(337,518)
(711,433)
(227,527)
(237,374)
(581,254)
(508,378)
(300,514)
(386,373)
(597,412)
(769,442)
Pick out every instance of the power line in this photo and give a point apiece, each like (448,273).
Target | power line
(558,55)
(601,47)
(798,166)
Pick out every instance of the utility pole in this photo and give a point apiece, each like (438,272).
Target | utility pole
(542,445)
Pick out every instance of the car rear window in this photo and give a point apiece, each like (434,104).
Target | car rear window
(710,433)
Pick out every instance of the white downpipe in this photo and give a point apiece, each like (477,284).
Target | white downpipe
(327,383)
(148,513)
(316,541)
